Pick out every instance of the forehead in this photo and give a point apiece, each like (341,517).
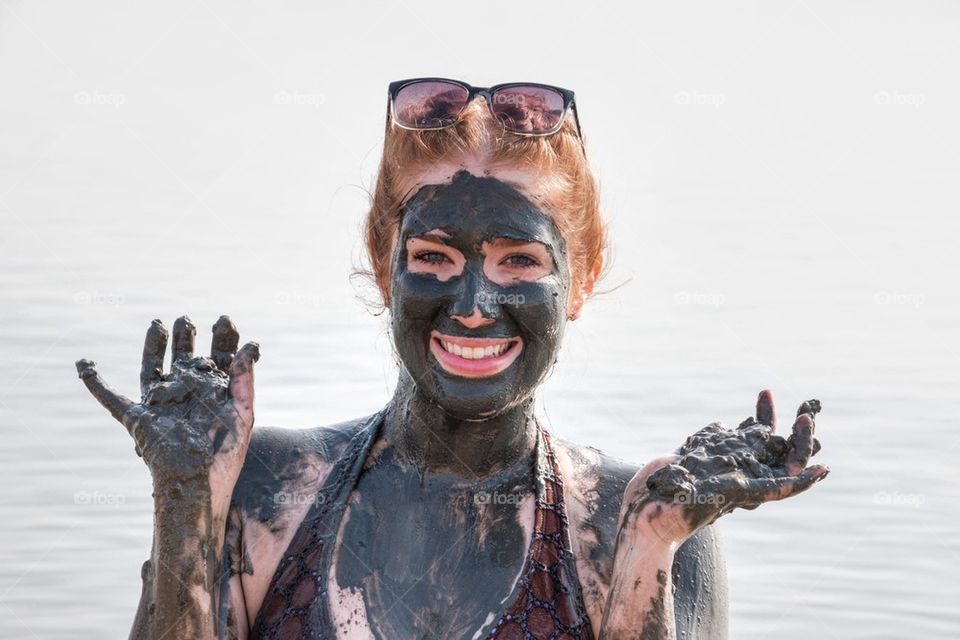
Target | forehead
(524,179)
(473,209)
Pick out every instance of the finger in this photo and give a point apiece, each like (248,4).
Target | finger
(763,490)
(810,406)
(801,444)
(184,333)
(224,343)
(114,402)
(241,380)
(766,413)
(154,347)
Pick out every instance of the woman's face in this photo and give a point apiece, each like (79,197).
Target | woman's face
(478,294)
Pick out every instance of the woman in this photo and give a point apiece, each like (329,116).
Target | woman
(451,513)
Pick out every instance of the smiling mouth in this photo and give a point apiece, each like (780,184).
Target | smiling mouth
(474,357)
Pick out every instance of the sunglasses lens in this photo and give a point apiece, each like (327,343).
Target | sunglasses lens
(527,109)
(429,104)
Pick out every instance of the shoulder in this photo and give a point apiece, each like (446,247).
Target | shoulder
(594,483)
(281,475)
(283,465)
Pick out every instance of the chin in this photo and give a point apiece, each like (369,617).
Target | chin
(475,398)
(469,398)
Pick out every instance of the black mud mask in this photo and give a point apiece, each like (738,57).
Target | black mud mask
(471,211)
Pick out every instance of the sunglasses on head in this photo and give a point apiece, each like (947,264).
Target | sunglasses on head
(524,108)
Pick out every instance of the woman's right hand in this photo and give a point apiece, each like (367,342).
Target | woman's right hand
(192,426)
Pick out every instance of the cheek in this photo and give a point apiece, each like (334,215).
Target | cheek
(539,307)
(416,298)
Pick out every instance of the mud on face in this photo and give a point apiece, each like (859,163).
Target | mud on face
(472,299)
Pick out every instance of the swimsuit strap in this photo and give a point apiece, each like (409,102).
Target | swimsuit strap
(549,603)
(296,604)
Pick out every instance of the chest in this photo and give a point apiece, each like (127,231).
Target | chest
(419,560)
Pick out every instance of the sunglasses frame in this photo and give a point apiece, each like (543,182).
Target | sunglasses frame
(569,104)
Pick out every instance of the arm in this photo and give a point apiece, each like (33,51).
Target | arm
(673,497)
(192,428)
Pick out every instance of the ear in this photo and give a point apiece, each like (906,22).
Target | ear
(585,290)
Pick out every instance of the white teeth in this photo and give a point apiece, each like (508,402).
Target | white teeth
(475,353)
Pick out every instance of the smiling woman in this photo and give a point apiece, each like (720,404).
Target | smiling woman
(451,513)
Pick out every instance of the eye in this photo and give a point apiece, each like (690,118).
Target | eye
(521,260)
(431,257)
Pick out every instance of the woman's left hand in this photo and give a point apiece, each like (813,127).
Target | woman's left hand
(718,470)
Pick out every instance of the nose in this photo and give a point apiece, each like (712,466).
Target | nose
(474,320)
(475,304)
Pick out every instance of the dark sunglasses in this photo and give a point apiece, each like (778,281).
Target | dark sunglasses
(524,108)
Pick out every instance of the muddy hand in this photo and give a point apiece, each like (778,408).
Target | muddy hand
(194,422)
(718,470)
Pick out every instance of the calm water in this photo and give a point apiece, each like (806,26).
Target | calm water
(783,212)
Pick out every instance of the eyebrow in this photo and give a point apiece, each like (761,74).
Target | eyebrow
(512,242)
(438,236)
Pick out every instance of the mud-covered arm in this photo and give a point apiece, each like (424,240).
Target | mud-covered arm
(182,578)
(668,590)
(192,428)
(677,496)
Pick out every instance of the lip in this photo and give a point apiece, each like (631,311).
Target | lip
(470,368)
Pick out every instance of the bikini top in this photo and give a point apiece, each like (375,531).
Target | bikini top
(546,602)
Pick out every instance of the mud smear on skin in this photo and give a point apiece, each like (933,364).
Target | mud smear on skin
(452,547)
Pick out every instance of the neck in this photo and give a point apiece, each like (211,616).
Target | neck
(436,442)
